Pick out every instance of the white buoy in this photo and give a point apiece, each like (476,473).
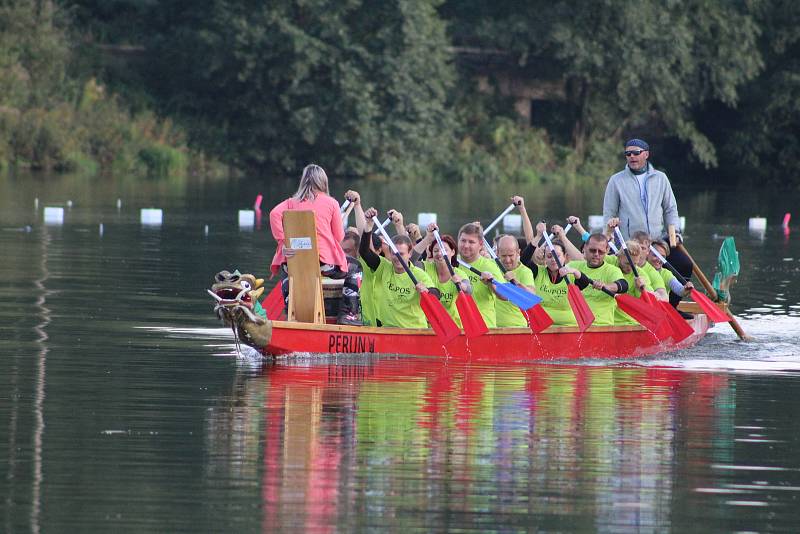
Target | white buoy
(424,219)
(101,229)
(119,203)
(53,215)
(247,218)
(151,216)
(69,203)
(757,223)
(205,230)
(512,223)
(36,203)
(595,222)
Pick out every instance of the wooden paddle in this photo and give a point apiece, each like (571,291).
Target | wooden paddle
(441,322)
(580,308)
(471,318)
(538,319)
(708,307)
(707,285)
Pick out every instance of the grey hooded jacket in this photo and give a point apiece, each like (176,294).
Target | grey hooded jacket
(658,210)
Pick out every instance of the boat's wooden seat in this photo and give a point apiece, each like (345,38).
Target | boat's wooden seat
(306,302)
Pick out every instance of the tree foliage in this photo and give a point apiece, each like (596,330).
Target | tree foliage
(762,139)
(626,65)
(359,85)
(371,87)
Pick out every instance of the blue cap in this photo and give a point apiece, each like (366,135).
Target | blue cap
(637,142)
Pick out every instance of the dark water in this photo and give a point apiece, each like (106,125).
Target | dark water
(124,407)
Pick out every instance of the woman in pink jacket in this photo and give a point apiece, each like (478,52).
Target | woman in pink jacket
(313,194)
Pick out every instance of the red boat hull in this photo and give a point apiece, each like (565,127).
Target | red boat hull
(500,345)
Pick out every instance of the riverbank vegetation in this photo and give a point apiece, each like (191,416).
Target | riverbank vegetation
(448,89)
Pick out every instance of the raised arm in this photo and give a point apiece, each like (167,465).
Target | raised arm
(571,251)
(527,227)
(370,258)
(423,245)
(397,221)
(358,209)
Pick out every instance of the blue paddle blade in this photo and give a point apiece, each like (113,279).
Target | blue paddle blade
(517,296)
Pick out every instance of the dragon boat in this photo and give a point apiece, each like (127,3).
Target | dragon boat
(236,298)
(305,327)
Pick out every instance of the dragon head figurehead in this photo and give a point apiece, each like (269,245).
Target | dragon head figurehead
(237,304)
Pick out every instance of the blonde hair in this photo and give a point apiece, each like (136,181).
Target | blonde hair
(313,181)
(634,248)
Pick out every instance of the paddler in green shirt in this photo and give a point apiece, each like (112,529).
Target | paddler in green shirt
(396,296)
(470,244)
(603,275)
(368,314)
(550,285)
(507,313)
(670,281)
(636,285)
(437,269)
(656,282)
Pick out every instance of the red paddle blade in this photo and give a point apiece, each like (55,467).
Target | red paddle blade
(646,315)
(649,298)
(471,317)
(583,314)
(680,328)
(441,322)
(274,304)
(709,308)
(538,319)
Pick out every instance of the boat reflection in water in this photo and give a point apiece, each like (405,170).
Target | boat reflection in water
(414,443)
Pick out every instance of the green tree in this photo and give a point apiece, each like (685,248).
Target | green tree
(761,139)
(623,64)
(359,86)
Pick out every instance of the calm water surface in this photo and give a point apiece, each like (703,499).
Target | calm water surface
(124,406)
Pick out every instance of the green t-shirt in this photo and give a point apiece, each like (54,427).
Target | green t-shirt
(367,294)
(656,282)
(646,270)
(602,305)
(506,312)
(554,298)
(622,318)
(484,295)
(447,289)
(397,300)
(667,276)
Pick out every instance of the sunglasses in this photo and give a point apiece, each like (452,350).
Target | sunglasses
(628,153)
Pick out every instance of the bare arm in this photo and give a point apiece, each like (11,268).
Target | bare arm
(527,227)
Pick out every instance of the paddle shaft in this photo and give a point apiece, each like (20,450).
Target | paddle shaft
(395,251)
(446,259)
(499,263)
(712,293)
(555,256)
(668,265)
(567,228)
(709,287)
(627,254)
(604,289)
(499,218)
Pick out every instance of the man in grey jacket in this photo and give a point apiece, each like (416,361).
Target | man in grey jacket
(642,198)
